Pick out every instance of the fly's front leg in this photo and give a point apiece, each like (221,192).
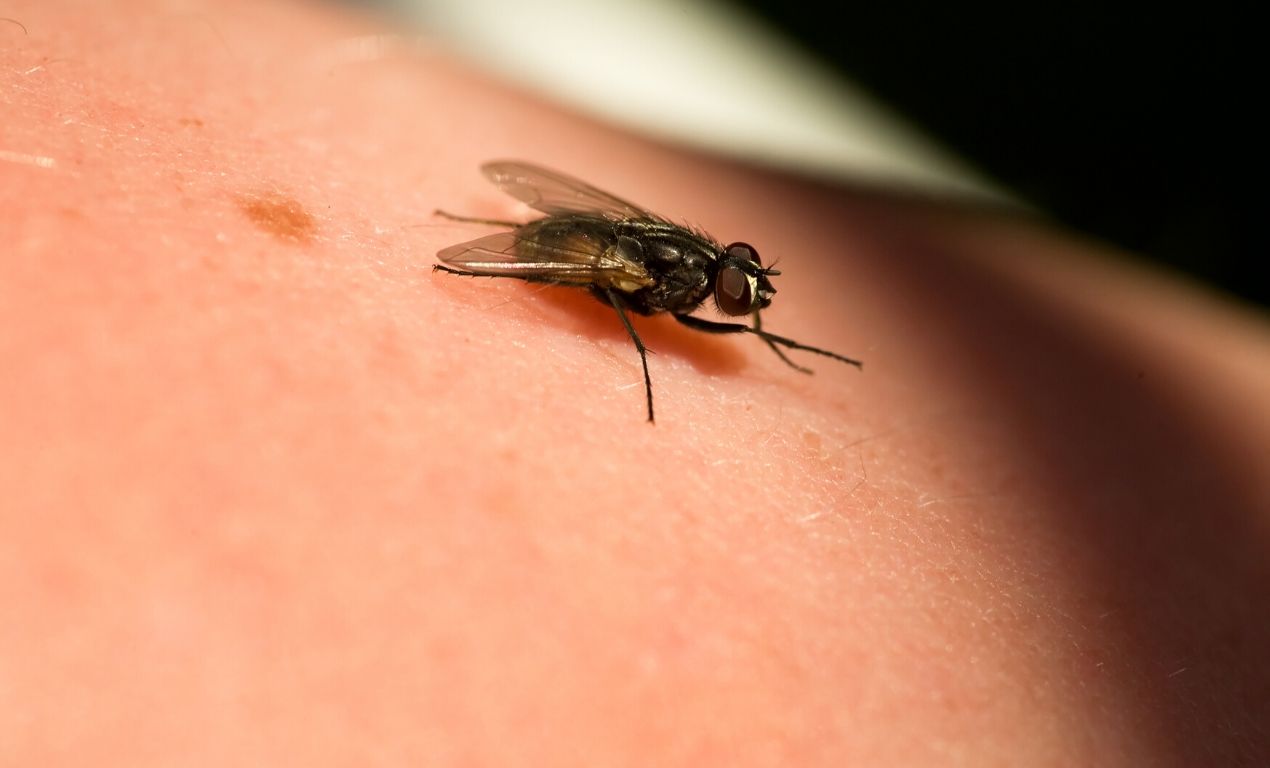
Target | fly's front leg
(613,298)
(709,326)
(758,328)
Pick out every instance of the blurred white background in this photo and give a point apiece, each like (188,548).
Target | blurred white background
(701,73)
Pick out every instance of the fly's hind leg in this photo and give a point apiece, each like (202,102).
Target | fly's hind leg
(476,220)
(462,272)
(522,278)
(639,345)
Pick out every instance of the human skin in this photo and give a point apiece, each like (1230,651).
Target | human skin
(273,492)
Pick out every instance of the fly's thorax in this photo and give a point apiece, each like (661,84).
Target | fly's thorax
(681,263)
(669,244)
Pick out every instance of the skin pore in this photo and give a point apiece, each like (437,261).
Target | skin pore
(273,492)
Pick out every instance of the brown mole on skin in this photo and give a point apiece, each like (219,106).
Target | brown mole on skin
(280,216)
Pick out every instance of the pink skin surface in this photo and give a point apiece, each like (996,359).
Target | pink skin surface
(273,493)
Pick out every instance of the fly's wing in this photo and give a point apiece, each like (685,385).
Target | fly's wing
(507,254)
(556,194)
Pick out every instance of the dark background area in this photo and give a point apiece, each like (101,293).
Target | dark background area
(1131,125)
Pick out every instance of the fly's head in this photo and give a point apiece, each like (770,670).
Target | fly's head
(741,286)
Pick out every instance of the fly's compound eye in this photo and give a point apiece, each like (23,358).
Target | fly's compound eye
(734,291)
(742,251)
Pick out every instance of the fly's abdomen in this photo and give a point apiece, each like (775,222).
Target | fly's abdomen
(559,238)
(583,250)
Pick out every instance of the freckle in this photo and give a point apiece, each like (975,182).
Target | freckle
(192,122)
(280,216)
(812,441)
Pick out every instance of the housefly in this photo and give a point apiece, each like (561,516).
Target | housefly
(627,257)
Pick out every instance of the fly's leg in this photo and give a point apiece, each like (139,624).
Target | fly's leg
(639,345)
(709,326)
(522,278)
(758,328)
(462,272)
(476,220)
